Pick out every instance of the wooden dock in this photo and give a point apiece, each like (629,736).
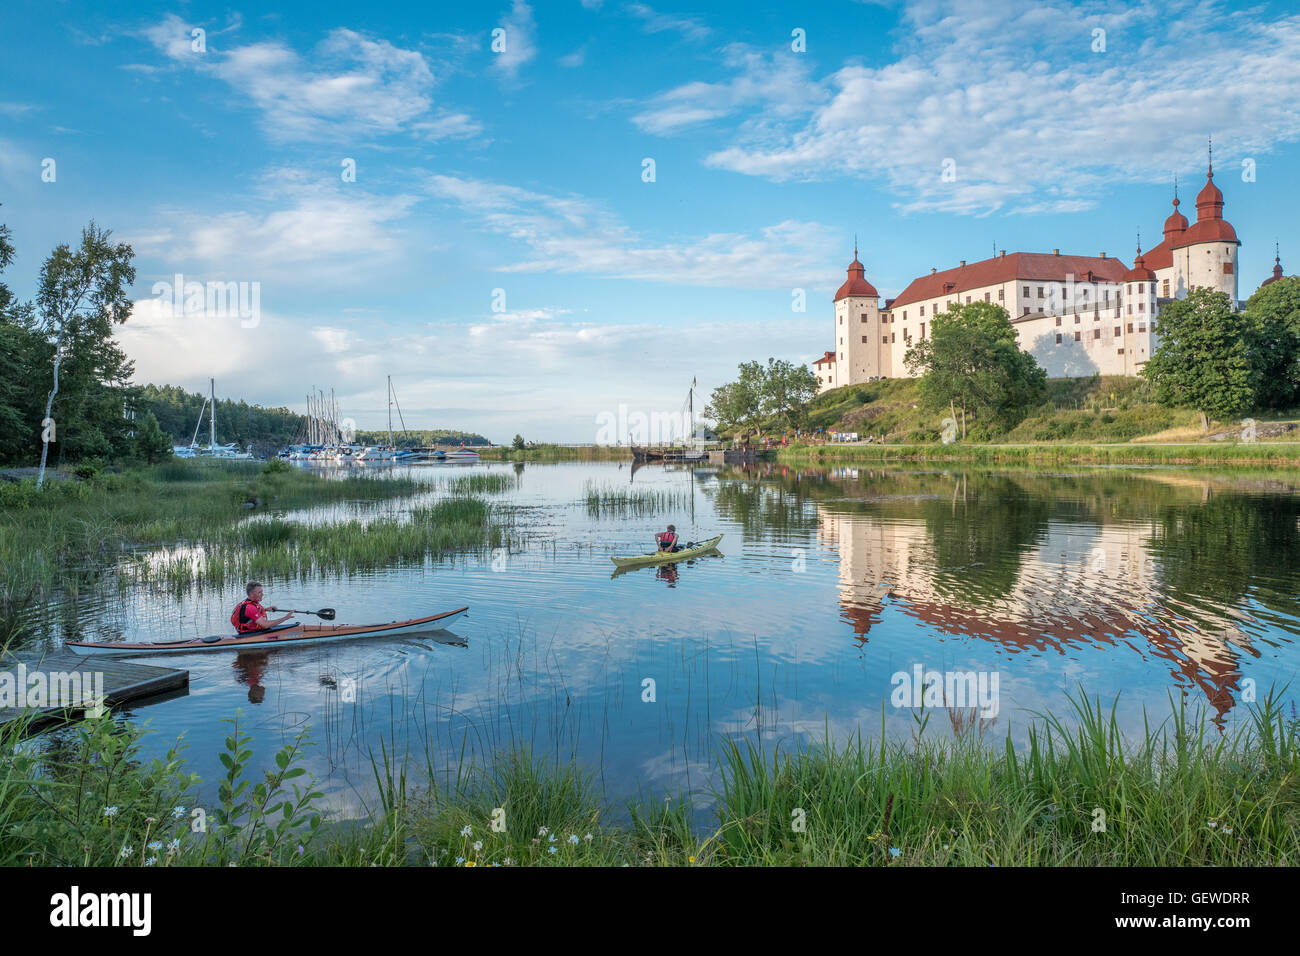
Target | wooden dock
(120,682)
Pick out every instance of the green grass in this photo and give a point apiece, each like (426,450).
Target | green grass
(70,534)
(1242,453)
(549,452)
(618,501)
(1181,793)
(492,483)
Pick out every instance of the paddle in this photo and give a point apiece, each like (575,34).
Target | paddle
(325,613)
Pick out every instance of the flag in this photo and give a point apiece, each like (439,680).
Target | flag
(693,382)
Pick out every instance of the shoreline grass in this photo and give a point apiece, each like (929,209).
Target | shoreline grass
(1281,455)
(550,452)
(1077,794)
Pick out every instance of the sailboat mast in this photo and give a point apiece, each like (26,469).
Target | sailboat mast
(390,411)
(212,433)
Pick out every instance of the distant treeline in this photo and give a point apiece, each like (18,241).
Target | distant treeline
(412,438)
(177,411)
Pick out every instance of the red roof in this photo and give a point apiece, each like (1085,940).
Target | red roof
(856,283)
(1277,272)
(827,359)
(1208,230)
(1210,225)
(1209,201)
(1139,272)
(1034,266)
(1176,222)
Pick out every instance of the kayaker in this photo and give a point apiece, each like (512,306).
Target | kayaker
(249,615)
(667,540)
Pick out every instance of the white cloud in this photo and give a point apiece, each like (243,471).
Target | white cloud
(520,40)
(1013,92)
(351,85)
(572,234)
(654,22)
(303,228)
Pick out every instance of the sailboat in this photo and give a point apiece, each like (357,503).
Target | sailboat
(229,451)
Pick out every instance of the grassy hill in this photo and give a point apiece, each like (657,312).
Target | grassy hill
(1097,409)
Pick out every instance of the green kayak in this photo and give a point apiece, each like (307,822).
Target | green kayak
(668,557)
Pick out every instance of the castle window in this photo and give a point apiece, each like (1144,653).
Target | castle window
(1058,318)
(1096,333)
(1142,326)
(1142,306)
(968,300)
(884,340)
(1117,331)
(1108,296)
(1130,288)
(1078,337)
(904,314)
(1227,268)
(1130,309)
(1040,291)
(864,317)
(891,338)
(1058,338)
(1078,319)
(1119,351)
(1130,328)
(987,296)
(923,310)
(1002,294)
(1026,292)
(922,330)
(864,340)
(1153,288)
(1165,293)
(1026,310)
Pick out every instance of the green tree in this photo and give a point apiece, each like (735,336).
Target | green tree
(1203,359)
(737,405)
(972,363)
(518,443)
(1273,321)
(81,295)
(786,391)
(151,443)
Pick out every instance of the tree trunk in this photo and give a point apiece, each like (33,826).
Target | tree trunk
(1205,423)
(49,407)
(963,421)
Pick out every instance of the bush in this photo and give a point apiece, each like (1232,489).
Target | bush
(277,466)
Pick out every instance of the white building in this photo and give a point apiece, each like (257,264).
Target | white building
(1077,315)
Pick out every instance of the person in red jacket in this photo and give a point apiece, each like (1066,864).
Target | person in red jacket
(249,615)
(667,540)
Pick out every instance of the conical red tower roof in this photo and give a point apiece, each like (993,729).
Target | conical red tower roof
(856,283)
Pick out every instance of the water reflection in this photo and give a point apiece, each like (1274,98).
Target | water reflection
(1184,569)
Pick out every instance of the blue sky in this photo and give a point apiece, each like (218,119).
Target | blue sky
(522,170)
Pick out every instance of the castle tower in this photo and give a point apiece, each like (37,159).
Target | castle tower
(1277,267)
(861,338)
(1137,324)
(1207,251)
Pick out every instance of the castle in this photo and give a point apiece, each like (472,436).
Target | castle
(1077,315)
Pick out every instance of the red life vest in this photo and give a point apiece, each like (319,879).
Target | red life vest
(667,540)
(243,617)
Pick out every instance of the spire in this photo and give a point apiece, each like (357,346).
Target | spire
(1177,222)
(1209,149)
(1277,265)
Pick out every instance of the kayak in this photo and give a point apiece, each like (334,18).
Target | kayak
(668,557)
(282,636)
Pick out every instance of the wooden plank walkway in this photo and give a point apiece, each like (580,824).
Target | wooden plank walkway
(120,681)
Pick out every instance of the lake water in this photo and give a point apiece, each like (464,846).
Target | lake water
(1146,583)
